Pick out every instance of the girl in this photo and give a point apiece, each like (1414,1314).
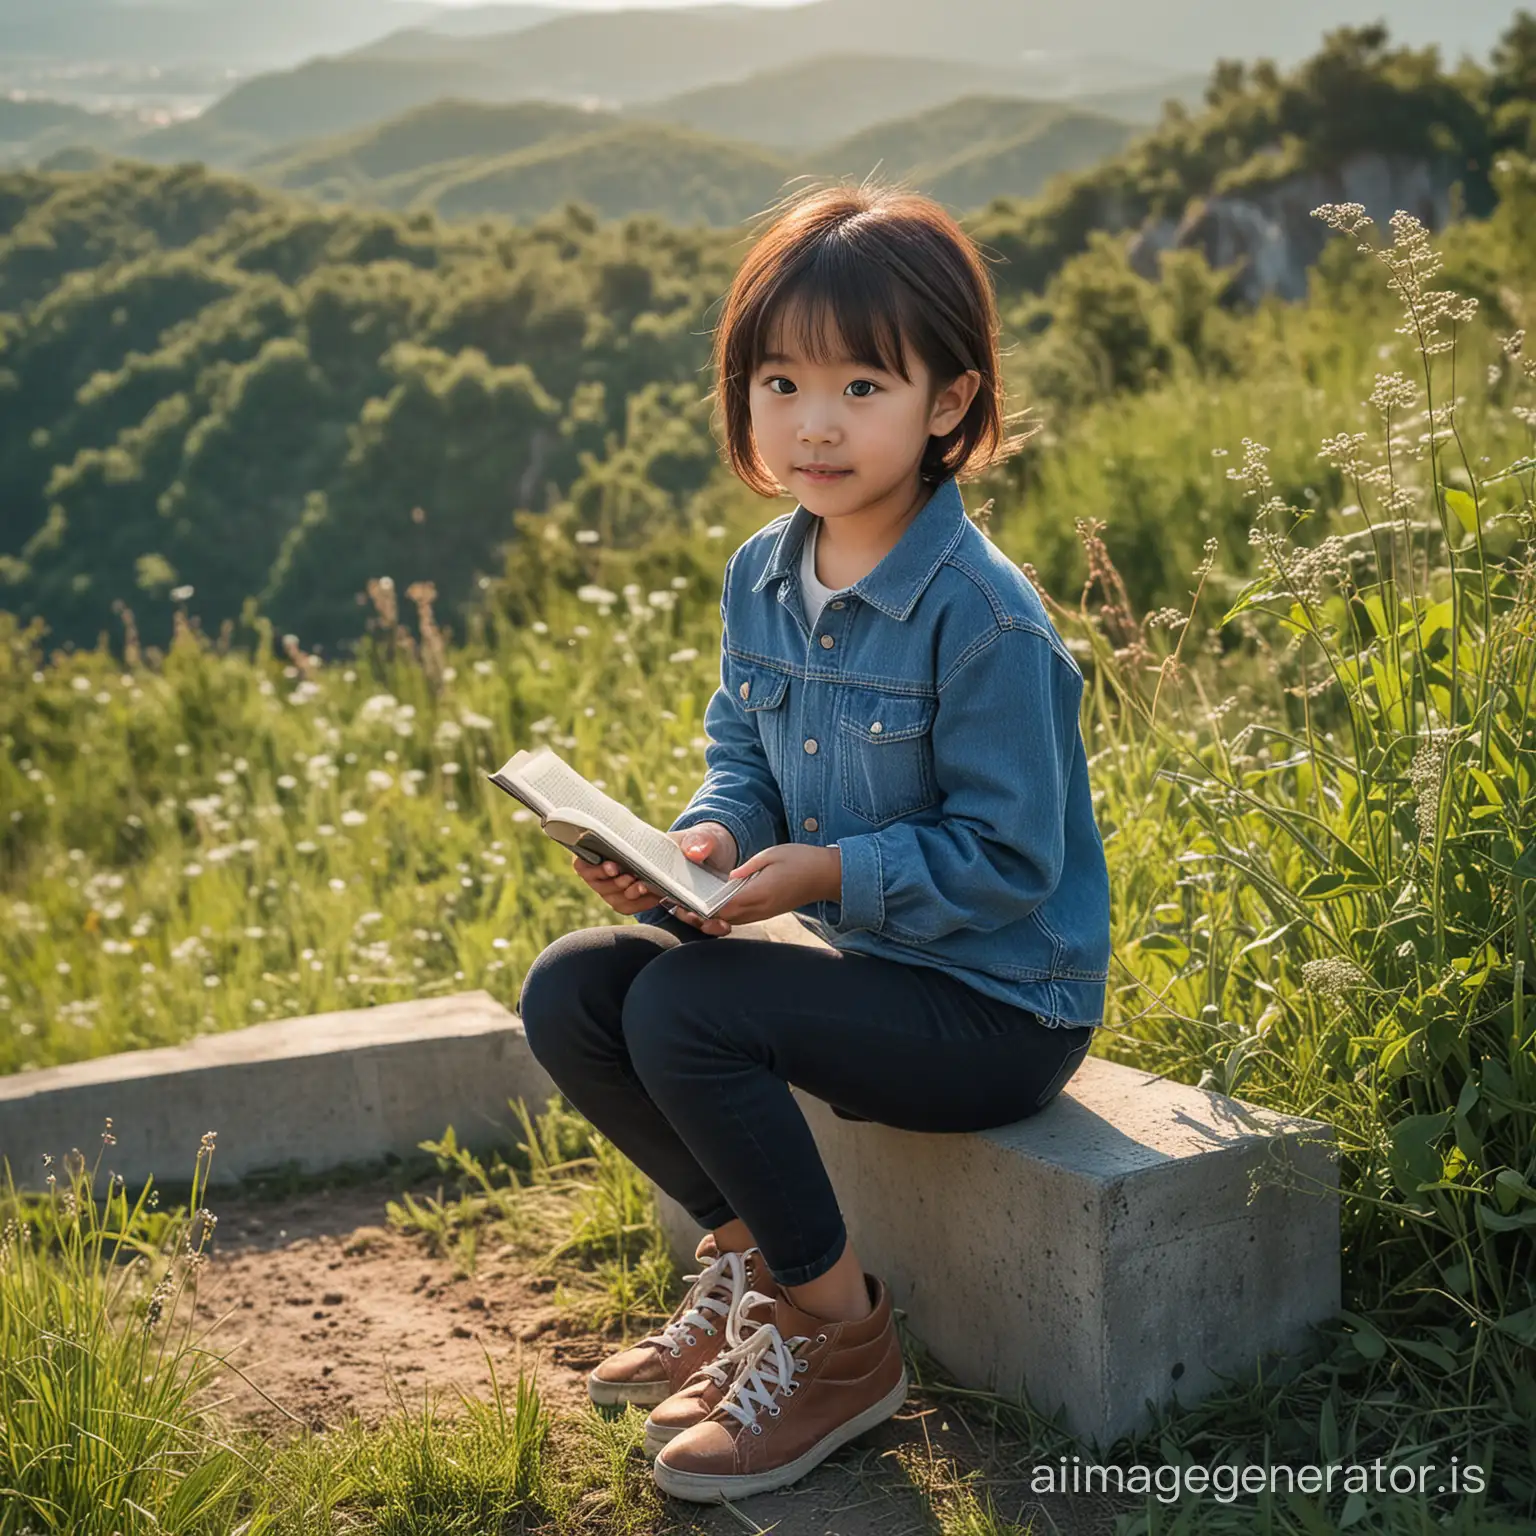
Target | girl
(895,746)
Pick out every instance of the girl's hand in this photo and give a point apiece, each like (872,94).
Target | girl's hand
(792,875)
(708,843)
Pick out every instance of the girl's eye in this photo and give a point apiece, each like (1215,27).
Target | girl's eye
(872,387)
(777,379)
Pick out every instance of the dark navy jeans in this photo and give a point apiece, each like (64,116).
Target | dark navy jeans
(680,1047)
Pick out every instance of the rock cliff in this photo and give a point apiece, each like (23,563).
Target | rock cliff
(1269,233)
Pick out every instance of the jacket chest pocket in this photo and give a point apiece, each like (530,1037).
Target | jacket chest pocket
(885,742)
(759,692)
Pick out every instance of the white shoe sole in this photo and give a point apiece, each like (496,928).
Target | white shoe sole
(701,1488)
(618,1394)
(658,1437)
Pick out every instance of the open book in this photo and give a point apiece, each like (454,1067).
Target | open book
(579,816)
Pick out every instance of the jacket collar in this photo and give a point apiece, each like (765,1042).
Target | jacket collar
(896,583)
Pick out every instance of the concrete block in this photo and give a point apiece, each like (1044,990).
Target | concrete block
(1132,1243)
(341,1087)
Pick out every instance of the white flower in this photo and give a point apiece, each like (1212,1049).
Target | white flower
(353,818)
(181,594)
(594,594)
(379,780)
(287,781)
(337,885)
(471,721)
(449,769)
(688,653)
(62,967)
(305,846)
(586,535)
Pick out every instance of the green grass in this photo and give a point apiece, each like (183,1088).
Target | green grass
(1316,784)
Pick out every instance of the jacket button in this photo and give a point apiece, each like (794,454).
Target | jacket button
(810,746)
(827,642)
(839,604)
(745,689)
(810,823)
(876,728)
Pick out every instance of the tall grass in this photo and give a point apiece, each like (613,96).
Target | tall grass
(1349,934)
(98,1366)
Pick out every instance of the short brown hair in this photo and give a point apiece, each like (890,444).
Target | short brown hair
(889,268)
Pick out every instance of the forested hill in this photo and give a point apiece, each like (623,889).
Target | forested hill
(208,385)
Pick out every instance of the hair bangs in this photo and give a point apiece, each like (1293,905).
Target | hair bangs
(836,308)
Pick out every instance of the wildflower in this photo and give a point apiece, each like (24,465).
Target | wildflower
(449,769)
(337,884)
(688,653)
(305,846)
(587,536)
(1332,977)
(1393,391)
(287,781)
(1253,472)
(380,780)
(595,594)
(1426,773)
(158,1298)
(211,982)
(62,967)
(353,818)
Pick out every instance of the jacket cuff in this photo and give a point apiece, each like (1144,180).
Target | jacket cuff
(862,904)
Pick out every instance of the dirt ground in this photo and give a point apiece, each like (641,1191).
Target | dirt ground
(328,1312)
(331,1312)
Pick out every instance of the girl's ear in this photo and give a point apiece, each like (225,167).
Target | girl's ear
(952,402)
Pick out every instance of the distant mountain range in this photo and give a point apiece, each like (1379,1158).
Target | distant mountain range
(466,160)
(108,48)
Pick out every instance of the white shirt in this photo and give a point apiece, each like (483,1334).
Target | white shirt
(813,592)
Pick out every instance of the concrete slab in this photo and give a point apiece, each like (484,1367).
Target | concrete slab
(318,1092)
(1131,1244)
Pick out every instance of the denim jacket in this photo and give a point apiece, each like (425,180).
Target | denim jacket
(928,727)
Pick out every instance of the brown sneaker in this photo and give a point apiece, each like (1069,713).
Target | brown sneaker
(800,1388)
(698,1395)
(652,1370)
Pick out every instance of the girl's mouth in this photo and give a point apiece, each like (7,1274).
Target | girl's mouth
(824,476)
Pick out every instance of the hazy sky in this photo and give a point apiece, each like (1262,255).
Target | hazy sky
(623,5)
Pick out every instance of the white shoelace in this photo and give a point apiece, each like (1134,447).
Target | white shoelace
(716,1290)
(764,1363)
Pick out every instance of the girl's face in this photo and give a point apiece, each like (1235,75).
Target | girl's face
(845,435)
